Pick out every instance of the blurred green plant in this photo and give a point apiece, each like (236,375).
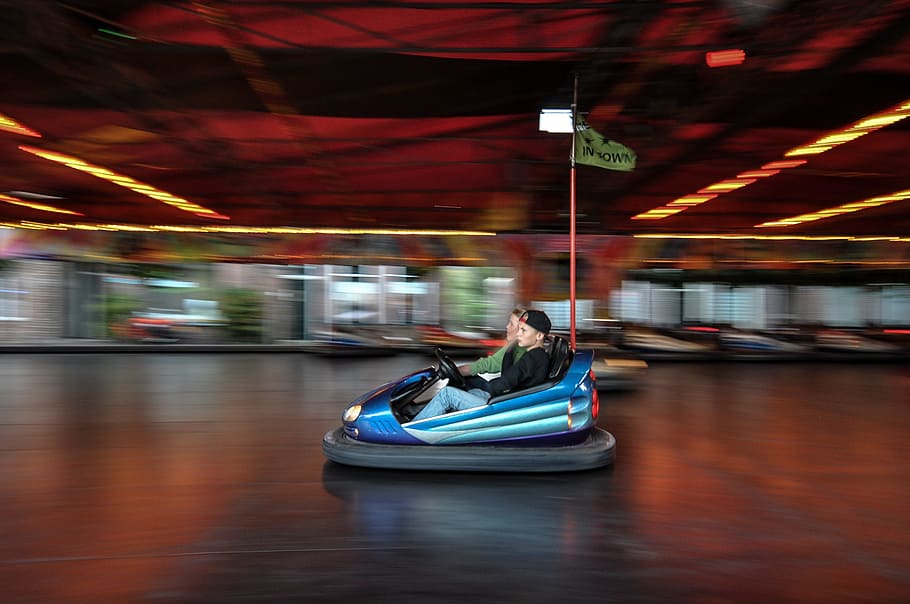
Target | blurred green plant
(464,298)
(117,308)
(242,309)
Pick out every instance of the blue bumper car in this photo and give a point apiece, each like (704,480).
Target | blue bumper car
(547,428)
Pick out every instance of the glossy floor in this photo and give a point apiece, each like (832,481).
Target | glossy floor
(200,478)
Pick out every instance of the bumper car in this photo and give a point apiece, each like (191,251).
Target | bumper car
(547,428)
(341,343)
(474,344)
(657,346)
(754,345)
(842,341)
(617,373)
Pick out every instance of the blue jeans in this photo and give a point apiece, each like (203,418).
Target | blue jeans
(453,399)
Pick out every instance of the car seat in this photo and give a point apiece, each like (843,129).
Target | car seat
(560,357)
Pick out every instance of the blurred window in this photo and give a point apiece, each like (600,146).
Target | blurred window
(355,295)
(895,305)
(844,306)
(12,299)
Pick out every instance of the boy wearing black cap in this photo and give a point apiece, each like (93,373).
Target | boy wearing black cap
(530,370)
(493,363)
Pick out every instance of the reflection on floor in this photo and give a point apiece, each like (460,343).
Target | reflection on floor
(200,478)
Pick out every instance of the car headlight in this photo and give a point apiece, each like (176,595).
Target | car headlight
(352,413)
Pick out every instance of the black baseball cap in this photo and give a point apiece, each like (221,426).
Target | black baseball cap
(538,320)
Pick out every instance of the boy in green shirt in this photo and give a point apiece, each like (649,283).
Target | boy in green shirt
(493,362)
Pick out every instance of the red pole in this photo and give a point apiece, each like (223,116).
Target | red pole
(572,220)
(572,251)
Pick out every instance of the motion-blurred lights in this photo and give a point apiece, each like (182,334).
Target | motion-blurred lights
(242,230)
(725,58)
(658,213)
(10,125)
(854,131)
(125,181)
(725,186)
(39,226)
(757,174)
(820,145)
(37,206)
(783,164)
(691,200)
(736,236)
(707,193)
(846,208)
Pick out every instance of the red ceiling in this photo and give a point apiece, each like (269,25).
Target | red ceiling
(424,114)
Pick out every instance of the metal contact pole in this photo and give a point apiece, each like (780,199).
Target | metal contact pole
(572,217)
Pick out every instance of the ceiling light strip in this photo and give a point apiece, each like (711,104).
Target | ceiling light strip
(37,206)
(846,208)
(8,124)
(820,145)
(243,230)
(711,191)
(854,131)
(725,236)
(124,181)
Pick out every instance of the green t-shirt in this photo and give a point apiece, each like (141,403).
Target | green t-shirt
(493,363)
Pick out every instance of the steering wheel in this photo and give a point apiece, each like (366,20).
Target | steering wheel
(448,369)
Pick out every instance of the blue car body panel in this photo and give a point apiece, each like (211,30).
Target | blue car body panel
(559,412)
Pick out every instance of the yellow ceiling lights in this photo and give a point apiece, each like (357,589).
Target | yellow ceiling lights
(36,206)
(837,210)
(711,191)
(242,230)
(10,125)
(854,131)
(725,186)
(125,181)
(722,236)
(820,145)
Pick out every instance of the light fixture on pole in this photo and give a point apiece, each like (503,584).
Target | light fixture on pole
(590,148)
(558,121)
(562,121)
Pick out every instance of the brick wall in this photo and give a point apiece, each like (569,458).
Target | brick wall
(34,293)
